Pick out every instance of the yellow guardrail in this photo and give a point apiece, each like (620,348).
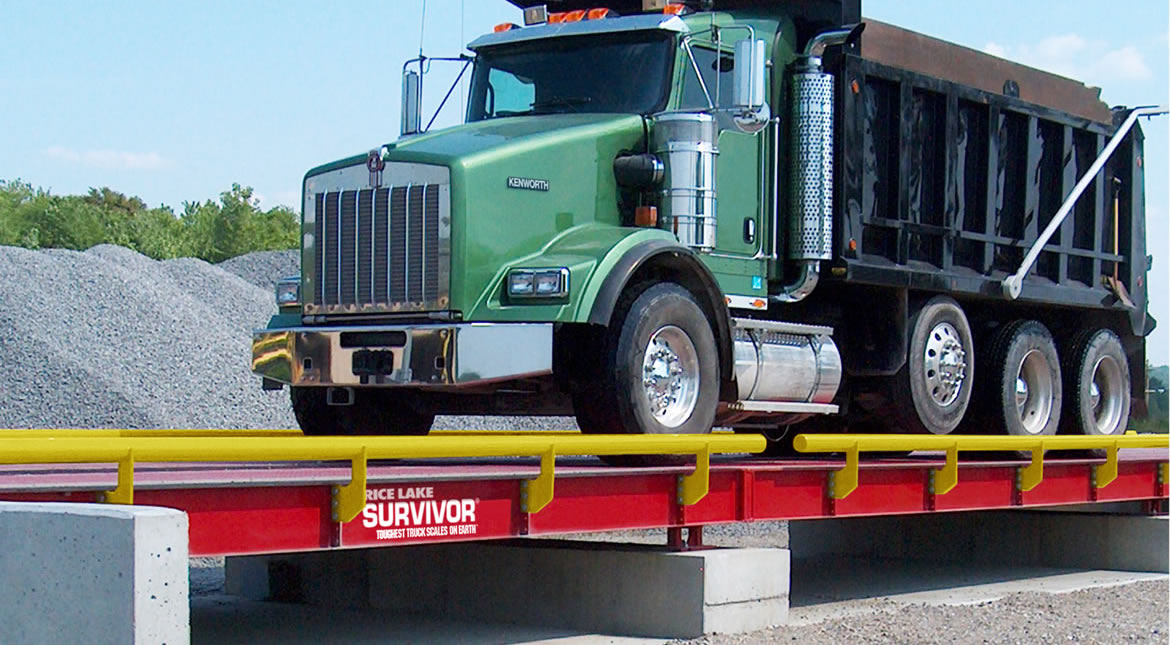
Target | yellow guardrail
(844,481)
(125,447)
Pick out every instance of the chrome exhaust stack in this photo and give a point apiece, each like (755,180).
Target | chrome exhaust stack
(810,206)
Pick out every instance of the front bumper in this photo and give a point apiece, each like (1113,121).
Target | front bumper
(420,355)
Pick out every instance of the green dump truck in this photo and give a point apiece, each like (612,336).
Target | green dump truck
(765,215)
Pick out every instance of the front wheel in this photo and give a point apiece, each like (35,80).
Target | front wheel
(659,371)
(373,412)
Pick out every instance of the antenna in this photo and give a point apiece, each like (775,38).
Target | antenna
(422,27)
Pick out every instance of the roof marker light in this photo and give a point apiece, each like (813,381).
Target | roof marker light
(504,26)
(675,9)
(537,15)
(566,16)
(600,13)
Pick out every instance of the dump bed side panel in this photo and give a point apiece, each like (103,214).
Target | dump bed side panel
(942,186)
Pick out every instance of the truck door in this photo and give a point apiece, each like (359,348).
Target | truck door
(739,260)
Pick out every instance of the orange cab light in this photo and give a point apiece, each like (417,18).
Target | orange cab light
(575,16)
(556,17)
(674,9)
(504,26)
(598,14)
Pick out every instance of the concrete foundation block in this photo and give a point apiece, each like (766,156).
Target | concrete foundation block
(93,573)
(1078,539)
(597,587)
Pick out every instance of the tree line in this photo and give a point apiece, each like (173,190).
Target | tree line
(211,230)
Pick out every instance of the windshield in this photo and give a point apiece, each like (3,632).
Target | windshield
(627,73)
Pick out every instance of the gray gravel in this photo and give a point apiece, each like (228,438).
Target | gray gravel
(1133,613)
(110,338)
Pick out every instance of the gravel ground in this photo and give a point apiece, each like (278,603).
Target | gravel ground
(1133,613)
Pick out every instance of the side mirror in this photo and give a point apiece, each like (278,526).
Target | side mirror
(751,90)
(750,72)
(411,103)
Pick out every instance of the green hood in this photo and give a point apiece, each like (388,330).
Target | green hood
(495,227)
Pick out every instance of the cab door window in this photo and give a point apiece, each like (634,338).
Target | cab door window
(718,75)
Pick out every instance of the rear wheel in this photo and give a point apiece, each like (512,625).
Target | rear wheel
(373,412)
(933,389)
(1097,381)
(1025,387)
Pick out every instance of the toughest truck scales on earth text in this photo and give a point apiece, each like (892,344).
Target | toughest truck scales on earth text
(768,215)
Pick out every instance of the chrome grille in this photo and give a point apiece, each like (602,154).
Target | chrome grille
(378,249)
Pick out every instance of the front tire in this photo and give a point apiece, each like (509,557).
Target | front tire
(374,412)
(659,370)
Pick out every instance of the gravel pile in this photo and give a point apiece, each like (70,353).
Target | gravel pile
(1132,613)
(110,338)
(264,268)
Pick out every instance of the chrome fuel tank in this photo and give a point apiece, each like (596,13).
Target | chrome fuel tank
(785,362)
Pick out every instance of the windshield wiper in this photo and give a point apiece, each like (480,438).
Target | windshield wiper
(561,101)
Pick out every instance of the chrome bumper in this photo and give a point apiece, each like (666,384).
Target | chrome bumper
(422,355)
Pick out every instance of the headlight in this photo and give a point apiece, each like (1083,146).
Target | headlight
(288,292)
(538,283)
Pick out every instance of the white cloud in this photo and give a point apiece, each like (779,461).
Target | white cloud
(1075,57)
(290,198)
(996,49)
(109,159)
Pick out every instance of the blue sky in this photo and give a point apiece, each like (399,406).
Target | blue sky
(174,101)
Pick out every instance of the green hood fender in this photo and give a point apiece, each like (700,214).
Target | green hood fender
(604,260)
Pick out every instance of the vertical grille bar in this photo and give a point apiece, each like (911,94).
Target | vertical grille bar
(347,252)
(398,244)
(381,283)
(365,250)
(319,246)
(332,251)
(414,245)
(431,263)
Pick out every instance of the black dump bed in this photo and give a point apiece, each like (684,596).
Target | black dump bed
(943,185)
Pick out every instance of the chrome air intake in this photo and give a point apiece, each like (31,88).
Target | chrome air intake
(686,144)
(784,362)
(377,240)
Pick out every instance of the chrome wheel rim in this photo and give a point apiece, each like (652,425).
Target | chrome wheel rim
(945,364)
(670,376)
(1105,395)
(1034,392)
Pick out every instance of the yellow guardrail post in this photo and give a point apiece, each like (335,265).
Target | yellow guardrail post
(535,494)
(124,492)
(349,499)
(1104,474)
(695,486)
(1030,476)
(843,482)
(942,480)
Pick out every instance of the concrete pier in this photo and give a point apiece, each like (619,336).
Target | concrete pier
(599,587)
(93,573)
